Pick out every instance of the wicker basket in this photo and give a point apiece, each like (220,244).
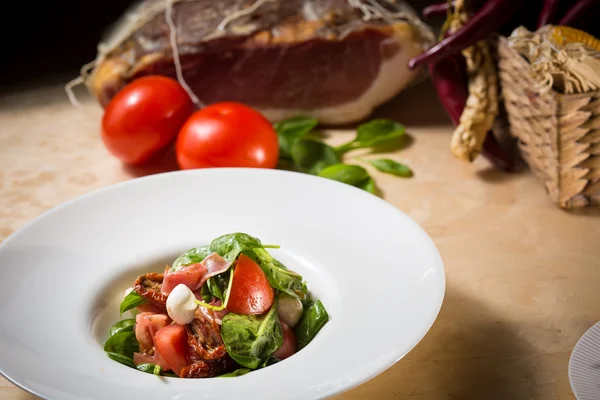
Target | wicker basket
(558,135)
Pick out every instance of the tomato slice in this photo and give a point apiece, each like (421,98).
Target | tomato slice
(289,345)
(251,292)
(171,342)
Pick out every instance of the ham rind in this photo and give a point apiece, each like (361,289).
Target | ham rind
(194,275)
(146,326)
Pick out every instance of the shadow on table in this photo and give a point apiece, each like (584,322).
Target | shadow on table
(470,353)
(163,161)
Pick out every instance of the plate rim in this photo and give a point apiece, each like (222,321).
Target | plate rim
(164,175)
(574,352)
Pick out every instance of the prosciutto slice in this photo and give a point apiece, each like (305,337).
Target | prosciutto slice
(194,275)
(141,358)
(146,326)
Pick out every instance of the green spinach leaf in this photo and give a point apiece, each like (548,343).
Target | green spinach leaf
(372,133)
(123,343)
(150,368)
(121,359)
(205,293)
(231,245)
(217,285)
(351,174)
(368,185)
(237,372)
(392,167)
(192,256)
(132,300)
(170,374)
(125,325)
(314,317)
(278,275)
(250,339)
(291,130)
(311,156)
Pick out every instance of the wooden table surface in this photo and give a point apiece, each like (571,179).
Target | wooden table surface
(523,277)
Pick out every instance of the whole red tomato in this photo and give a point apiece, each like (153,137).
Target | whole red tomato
(144,117)
(227,135)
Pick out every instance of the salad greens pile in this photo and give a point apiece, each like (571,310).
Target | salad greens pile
(300,149)
(250,340)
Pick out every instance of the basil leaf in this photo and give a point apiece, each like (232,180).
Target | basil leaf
(311,156)
(392,167)
(121,359)
(132,300)
(125,325)
(345,173)
(123,343)
(314,317)
(237,372)
(278,275)
(371,133)
(250,339)
(192,256)
(150,368)
(291,130)
(367,185)
(231,245)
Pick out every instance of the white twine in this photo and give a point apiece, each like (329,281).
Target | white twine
(70,94)
(175,50)
(241,13)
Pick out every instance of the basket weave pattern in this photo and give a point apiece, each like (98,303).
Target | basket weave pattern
(558,134)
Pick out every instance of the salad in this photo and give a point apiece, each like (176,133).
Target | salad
(224,309)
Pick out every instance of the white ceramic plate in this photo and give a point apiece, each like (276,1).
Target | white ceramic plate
(63,275)
(584,365)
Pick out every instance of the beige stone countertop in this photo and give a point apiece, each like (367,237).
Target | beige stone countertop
(523,277)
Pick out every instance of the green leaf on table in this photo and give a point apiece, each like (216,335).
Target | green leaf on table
(192,256)
(150,368)
(132,300)
(123,343)
(345,173)
(121,359)
(231,245)
(237,372)
(311,156)
(125,325)
(314,317)
(372,133)
(292,130)
(392,167)
(367,185)
(250,339)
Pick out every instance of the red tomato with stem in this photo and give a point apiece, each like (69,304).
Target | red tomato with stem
(250,291)
(144,117)
(227,135)
(289,345)
(172,342)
